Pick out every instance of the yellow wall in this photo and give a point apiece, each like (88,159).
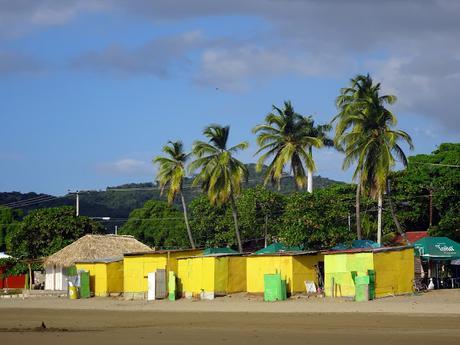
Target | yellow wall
(236,274)
(137,267)
(115,277)
(257,266)
(196,274)
(104,278)
(220,275)
(394,272)
(294,269)
(339,267)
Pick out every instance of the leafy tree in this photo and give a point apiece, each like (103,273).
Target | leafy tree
(210,224)
(260,210)
(436,175)
(285,137)
(9,220)
(220,174)
(365,132)
(318,220)
(45,231)
(157,224)
(171,175)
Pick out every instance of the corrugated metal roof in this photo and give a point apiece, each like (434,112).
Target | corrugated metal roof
(162,251)
(366,250)
(412,236)
(292,253)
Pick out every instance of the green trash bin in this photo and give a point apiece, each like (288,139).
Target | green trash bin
(371,274)
(85,290)
(274,288)
(172,286)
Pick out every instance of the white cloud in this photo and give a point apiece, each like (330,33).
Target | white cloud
(236,68)
(415,42)
(126,166)
(18,17)
(158,57)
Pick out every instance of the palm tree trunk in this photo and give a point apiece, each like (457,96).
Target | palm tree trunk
(235,220)
(310,175)
(379,219)
(189,231)
(358,211)
(393,215)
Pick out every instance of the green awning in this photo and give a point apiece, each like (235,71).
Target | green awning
(224,250)
(438,248)
(277,248)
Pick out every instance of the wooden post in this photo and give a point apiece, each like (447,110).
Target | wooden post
(30,276)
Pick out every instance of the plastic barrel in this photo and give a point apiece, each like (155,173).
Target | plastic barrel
(73,292)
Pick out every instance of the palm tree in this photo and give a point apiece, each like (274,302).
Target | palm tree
(285,136)
(220,174)
(349,103)
(171,174)
(365,132)
(320,132)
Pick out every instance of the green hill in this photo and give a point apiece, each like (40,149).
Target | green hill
(119,201)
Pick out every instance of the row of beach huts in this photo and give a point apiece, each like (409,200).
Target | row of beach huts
(121,265)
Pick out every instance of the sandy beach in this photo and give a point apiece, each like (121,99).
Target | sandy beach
(431,318)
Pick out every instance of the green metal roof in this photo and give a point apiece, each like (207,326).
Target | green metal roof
(224,250)
(277,248)
(438,248)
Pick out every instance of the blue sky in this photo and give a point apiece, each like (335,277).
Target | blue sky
(91,90)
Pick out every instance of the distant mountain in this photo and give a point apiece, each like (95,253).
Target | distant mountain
(119,201)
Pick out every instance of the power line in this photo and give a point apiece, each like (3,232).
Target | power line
(14,203)
(31,203)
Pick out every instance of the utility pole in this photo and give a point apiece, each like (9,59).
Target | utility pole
(349,222)
(77,203)
(266,231)
(431,207)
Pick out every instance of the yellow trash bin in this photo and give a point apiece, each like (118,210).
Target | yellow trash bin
(73,292)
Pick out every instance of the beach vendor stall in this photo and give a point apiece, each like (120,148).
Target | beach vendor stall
(440,258)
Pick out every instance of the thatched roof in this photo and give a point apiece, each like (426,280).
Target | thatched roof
(93,247)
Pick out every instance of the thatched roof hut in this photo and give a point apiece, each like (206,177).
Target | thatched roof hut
(94,247)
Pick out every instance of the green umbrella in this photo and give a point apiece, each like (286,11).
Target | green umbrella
(224,250)
(438,248)
(277,248)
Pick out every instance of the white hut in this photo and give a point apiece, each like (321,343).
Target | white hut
(88,247)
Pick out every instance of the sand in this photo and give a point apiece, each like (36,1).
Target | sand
(432,318)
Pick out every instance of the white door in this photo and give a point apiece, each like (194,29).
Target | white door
(49,278)
(151,286)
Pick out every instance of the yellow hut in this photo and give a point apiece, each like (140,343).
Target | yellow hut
(294,267)
(393,266)
(105,275)
(212,275)
(138,265)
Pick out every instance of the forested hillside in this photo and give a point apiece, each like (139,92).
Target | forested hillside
(119,201)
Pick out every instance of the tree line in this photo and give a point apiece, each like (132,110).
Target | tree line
(364,131)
